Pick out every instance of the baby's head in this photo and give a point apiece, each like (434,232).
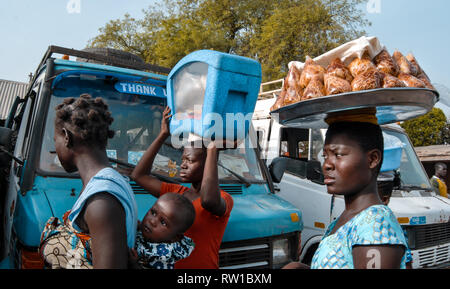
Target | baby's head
(169,218)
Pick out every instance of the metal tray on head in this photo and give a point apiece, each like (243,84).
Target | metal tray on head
(391,104)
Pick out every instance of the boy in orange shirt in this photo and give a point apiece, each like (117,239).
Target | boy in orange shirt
(212,206)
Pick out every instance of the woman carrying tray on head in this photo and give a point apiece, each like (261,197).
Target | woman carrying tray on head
(366,235)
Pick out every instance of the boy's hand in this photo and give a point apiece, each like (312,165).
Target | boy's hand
(223,144)
(165,122)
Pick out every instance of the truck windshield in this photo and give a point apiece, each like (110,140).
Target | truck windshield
(411,171)
(137,121)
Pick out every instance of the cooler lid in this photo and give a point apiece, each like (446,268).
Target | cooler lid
(221,61)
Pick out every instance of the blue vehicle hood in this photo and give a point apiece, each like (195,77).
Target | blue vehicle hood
(256,213)
(261,215)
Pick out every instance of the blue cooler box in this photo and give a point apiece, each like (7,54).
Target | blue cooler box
(392,158)
(213,95)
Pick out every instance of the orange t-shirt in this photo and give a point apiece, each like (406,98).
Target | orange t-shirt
(206,232)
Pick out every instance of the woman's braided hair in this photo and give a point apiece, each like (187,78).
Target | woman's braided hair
(86,118)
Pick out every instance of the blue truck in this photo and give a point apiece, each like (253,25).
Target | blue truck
(264,231)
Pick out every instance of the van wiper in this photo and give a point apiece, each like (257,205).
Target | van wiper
(131,166)
(239,177)
(412,188)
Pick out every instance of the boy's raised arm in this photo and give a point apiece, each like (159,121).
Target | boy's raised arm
(141,173)
(211,198)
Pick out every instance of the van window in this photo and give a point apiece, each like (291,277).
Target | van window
(137,121)
(295,144)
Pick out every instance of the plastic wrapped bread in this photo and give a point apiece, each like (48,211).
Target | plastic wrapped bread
(361,65)
(338,78)
(390,81)
(411,81)
(386,64)
(311,70)
(314,89)
(371,79)
(280,99)
(404,64)
(338,69)
(421,74)
(336,85)
(293,90)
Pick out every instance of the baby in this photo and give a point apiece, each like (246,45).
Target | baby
(159,239)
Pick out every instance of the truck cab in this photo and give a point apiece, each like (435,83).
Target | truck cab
(263,229)
(424,216)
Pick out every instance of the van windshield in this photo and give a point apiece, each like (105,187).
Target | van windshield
(137,122)
(411,171)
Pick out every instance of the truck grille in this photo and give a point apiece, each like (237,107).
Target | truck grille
(255,254)
(431,257)
(232,189)
(138,189)
(429,235)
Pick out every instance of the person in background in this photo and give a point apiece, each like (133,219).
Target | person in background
(385,183)
(438,179)
(212,206)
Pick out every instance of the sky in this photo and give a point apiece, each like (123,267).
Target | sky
(28,27)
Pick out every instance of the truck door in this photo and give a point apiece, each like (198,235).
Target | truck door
(22,128)
(302,185)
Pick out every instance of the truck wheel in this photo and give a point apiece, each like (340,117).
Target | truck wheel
(307,259)
(110,52)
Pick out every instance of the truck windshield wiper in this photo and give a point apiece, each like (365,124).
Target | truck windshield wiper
(412,188)
(131,166)
(239,177)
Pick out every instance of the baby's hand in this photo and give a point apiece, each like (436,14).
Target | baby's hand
(133,259)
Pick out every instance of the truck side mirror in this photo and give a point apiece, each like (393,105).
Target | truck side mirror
(5,137)
(314,171)
(277,169)
(5,146)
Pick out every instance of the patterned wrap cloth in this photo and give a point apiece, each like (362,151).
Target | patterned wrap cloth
(162,255)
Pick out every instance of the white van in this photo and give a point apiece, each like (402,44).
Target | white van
(424,216)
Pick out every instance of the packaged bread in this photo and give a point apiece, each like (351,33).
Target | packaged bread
(411,81)
(390,81)
(338,69)
(314,89)
(311,70)
(371,79)
(404,64)
(386,64)
(336,85)
(293,90)
(421,74)
(280,98)
(361,65)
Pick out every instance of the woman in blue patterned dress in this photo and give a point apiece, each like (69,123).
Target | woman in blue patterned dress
(366,235)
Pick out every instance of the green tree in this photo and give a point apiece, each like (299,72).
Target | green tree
(272,31)
(428,129)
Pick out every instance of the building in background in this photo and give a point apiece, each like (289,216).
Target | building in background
(8,92)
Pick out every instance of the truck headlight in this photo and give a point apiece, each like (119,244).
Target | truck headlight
(281,253)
